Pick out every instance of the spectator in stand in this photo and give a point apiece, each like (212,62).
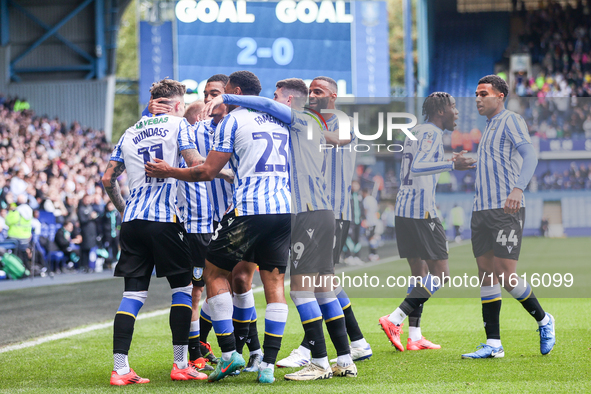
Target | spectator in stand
(20,225)
(584,171)
(18,185)
(64,242)
(3,191)
(88,227)
(52,164)
(3,226)
(110,226)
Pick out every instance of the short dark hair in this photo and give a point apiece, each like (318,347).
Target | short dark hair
(435,102)
(167,88)
(247,82)
(223,78)
(295,85)
(497,83)
(331,82)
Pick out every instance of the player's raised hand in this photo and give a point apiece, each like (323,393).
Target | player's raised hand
(158,169)
(209,107)
(513,202)
(157,106)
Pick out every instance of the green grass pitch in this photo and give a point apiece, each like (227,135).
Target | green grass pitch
(82,363)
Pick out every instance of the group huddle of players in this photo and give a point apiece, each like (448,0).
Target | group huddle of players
(219,190)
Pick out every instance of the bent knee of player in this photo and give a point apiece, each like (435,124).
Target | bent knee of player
(213,273)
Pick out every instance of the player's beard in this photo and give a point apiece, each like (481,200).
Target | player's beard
(321,103)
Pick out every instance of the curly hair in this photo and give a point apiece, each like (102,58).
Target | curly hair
(247,82)
(435,102)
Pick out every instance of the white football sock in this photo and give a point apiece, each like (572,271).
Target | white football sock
(493,342)
(258,351)
(362,343)
(265,365)
(345,360)
(180,355)
(414,333)
(544,321)
(305,352)
(227,355)
(323,362)
(121,364)
(397,317)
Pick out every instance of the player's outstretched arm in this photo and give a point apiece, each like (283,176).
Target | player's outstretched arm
(263,104)
(530,162)
(192,157)
(206,172)
(424,162)
(114,169)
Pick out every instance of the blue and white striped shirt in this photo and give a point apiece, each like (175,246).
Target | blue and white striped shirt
(498,162)
(422,162)
(193,201)
(163,137)
(308,161)
(340,167)
(259,144)
(220,192)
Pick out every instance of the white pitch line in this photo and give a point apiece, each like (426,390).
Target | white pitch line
(94,327)
(160,312)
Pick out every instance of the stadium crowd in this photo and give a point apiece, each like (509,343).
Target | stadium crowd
(51,174)
(558,38)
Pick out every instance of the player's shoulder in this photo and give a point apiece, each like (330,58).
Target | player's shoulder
(513,120)
(426,130)
(507,114)
(247,117)
(242,113)
(157,121)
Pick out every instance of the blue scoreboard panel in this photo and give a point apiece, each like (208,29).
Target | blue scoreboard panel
(347,41)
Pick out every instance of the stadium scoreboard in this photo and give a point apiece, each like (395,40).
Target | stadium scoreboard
(347,41)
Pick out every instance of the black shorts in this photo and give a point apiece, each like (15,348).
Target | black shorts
(341,231)
(261,239)
(146,244)
(495,230)
(312,236)
(421,238)
(198,244)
